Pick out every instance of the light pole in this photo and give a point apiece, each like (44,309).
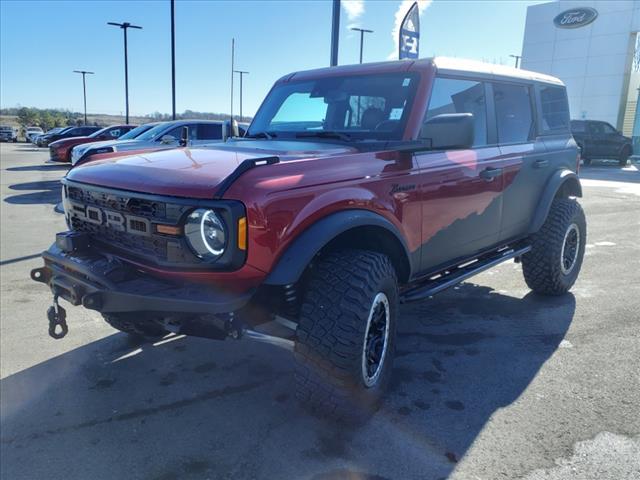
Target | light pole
(173,61)
(241,73)
(517,57)
(233,59)
(84,90)
(335,32)
(362,32)
(124,26)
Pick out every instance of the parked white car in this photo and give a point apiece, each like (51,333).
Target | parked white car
(30,133)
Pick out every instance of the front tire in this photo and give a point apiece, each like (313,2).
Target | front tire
(135,325)
(553,264)
(346,335)
(624,156)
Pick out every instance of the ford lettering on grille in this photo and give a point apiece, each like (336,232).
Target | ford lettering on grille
(109,218)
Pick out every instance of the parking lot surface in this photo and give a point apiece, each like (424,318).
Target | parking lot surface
(491,381)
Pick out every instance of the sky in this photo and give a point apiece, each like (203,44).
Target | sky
(42,42)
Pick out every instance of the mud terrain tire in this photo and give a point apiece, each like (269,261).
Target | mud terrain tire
(350,296)
(553,264)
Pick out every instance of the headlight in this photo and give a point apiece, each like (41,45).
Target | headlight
(206,233)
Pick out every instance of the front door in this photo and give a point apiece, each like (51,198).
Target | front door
(460,189)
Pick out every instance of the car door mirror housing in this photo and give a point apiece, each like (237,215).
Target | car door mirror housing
(167,139)
(448,131)
(230,130)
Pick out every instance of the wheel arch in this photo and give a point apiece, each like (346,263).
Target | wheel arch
(562,184)
(345,229)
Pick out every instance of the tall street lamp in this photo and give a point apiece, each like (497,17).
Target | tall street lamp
(241,73)
(517,57)
(124,26)
(173,61)
(362,32)
(84,90)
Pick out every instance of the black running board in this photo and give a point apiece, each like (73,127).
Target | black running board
(452,276)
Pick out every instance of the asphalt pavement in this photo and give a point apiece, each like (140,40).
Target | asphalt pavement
(490,381)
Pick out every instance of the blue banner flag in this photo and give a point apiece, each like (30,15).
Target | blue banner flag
(410,34)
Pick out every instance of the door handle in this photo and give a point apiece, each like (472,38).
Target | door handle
(489,174)
(540,163)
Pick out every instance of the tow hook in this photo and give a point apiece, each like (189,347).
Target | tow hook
(57,317)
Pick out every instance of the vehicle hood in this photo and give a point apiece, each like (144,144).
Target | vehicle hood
(104,143)
(65,142)
(192,172)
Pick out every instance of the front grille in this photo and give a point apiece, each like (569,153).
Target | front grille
(123,221)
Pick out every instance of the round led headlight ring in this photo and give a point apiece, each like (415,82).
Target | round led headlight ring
(206,234)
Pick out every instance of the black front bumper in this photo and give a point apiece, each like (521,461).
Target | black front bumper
(107,284)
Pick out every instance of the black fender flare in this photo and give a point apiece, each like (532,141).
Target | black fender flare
(562,179)
(293,262)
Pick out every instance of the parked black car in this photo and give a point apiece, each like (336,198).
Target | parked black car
(599,140)
(46,139)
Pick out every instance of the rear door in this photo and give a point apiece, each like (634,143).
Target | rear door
(529,165)
(460,189)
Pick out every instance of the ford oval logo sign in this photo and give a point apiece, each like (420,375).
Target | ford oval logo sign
(575,18)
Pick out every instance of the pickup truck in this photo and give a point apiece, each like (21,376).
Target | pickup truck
(355,189)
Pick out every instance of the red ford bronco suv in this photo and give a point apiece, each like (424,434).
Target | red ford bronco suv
(356,188)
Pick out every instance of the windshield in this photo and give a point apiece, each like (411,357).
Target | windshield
(350,107)
(136,132)
(154,132)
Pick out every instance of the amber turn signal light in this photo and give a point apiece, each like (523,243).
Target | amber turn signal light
(242,233)
(168,230)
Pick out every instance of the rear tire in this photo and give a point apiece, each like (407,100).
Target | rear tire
(624,156)
(346,335)
(553,264)
(133,325)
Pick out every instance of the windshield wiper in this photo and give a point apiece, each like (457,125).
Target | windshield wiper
(325,134)
(267,135)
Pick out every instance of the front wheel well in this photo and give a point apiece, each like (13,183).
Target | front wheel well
(377,239)
(569,188)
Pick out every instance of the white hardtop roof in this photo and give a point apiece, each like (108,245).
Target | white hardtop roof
(461,65)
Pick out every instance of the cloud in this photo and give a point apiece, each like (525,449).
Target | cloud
(403,8)
(354,10)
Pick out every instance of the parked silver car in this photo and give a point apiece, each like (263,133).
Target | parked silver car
(162,136)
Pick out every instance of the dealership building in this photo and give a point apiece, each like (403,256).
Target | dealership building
(592,46)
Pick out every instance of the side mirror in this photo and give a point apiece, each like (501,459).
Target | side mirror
(184,139)
(167,139)
(449,131)
(230,130)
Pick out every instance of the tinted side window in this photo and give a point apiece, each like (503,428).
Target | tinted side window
(209,131)
(608,129)
(450,95)
(513,112)
(115,133)
(555,108)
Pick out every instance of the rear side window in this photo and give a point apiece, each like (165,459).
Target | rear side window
(209,131)
(514,117)
(555,109)
(450,95)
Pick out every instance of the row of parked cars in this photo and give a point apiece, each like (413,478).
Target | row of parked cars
(78,145)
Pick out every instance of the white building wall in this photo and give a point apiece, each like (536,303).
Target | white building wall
(593,61)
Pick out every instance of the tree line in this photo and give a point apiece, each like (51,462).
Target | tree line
(48,118)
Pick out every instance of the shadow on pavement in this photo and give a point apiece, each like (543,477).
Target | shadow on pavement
(195,408)
(48,191)
(39,168)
